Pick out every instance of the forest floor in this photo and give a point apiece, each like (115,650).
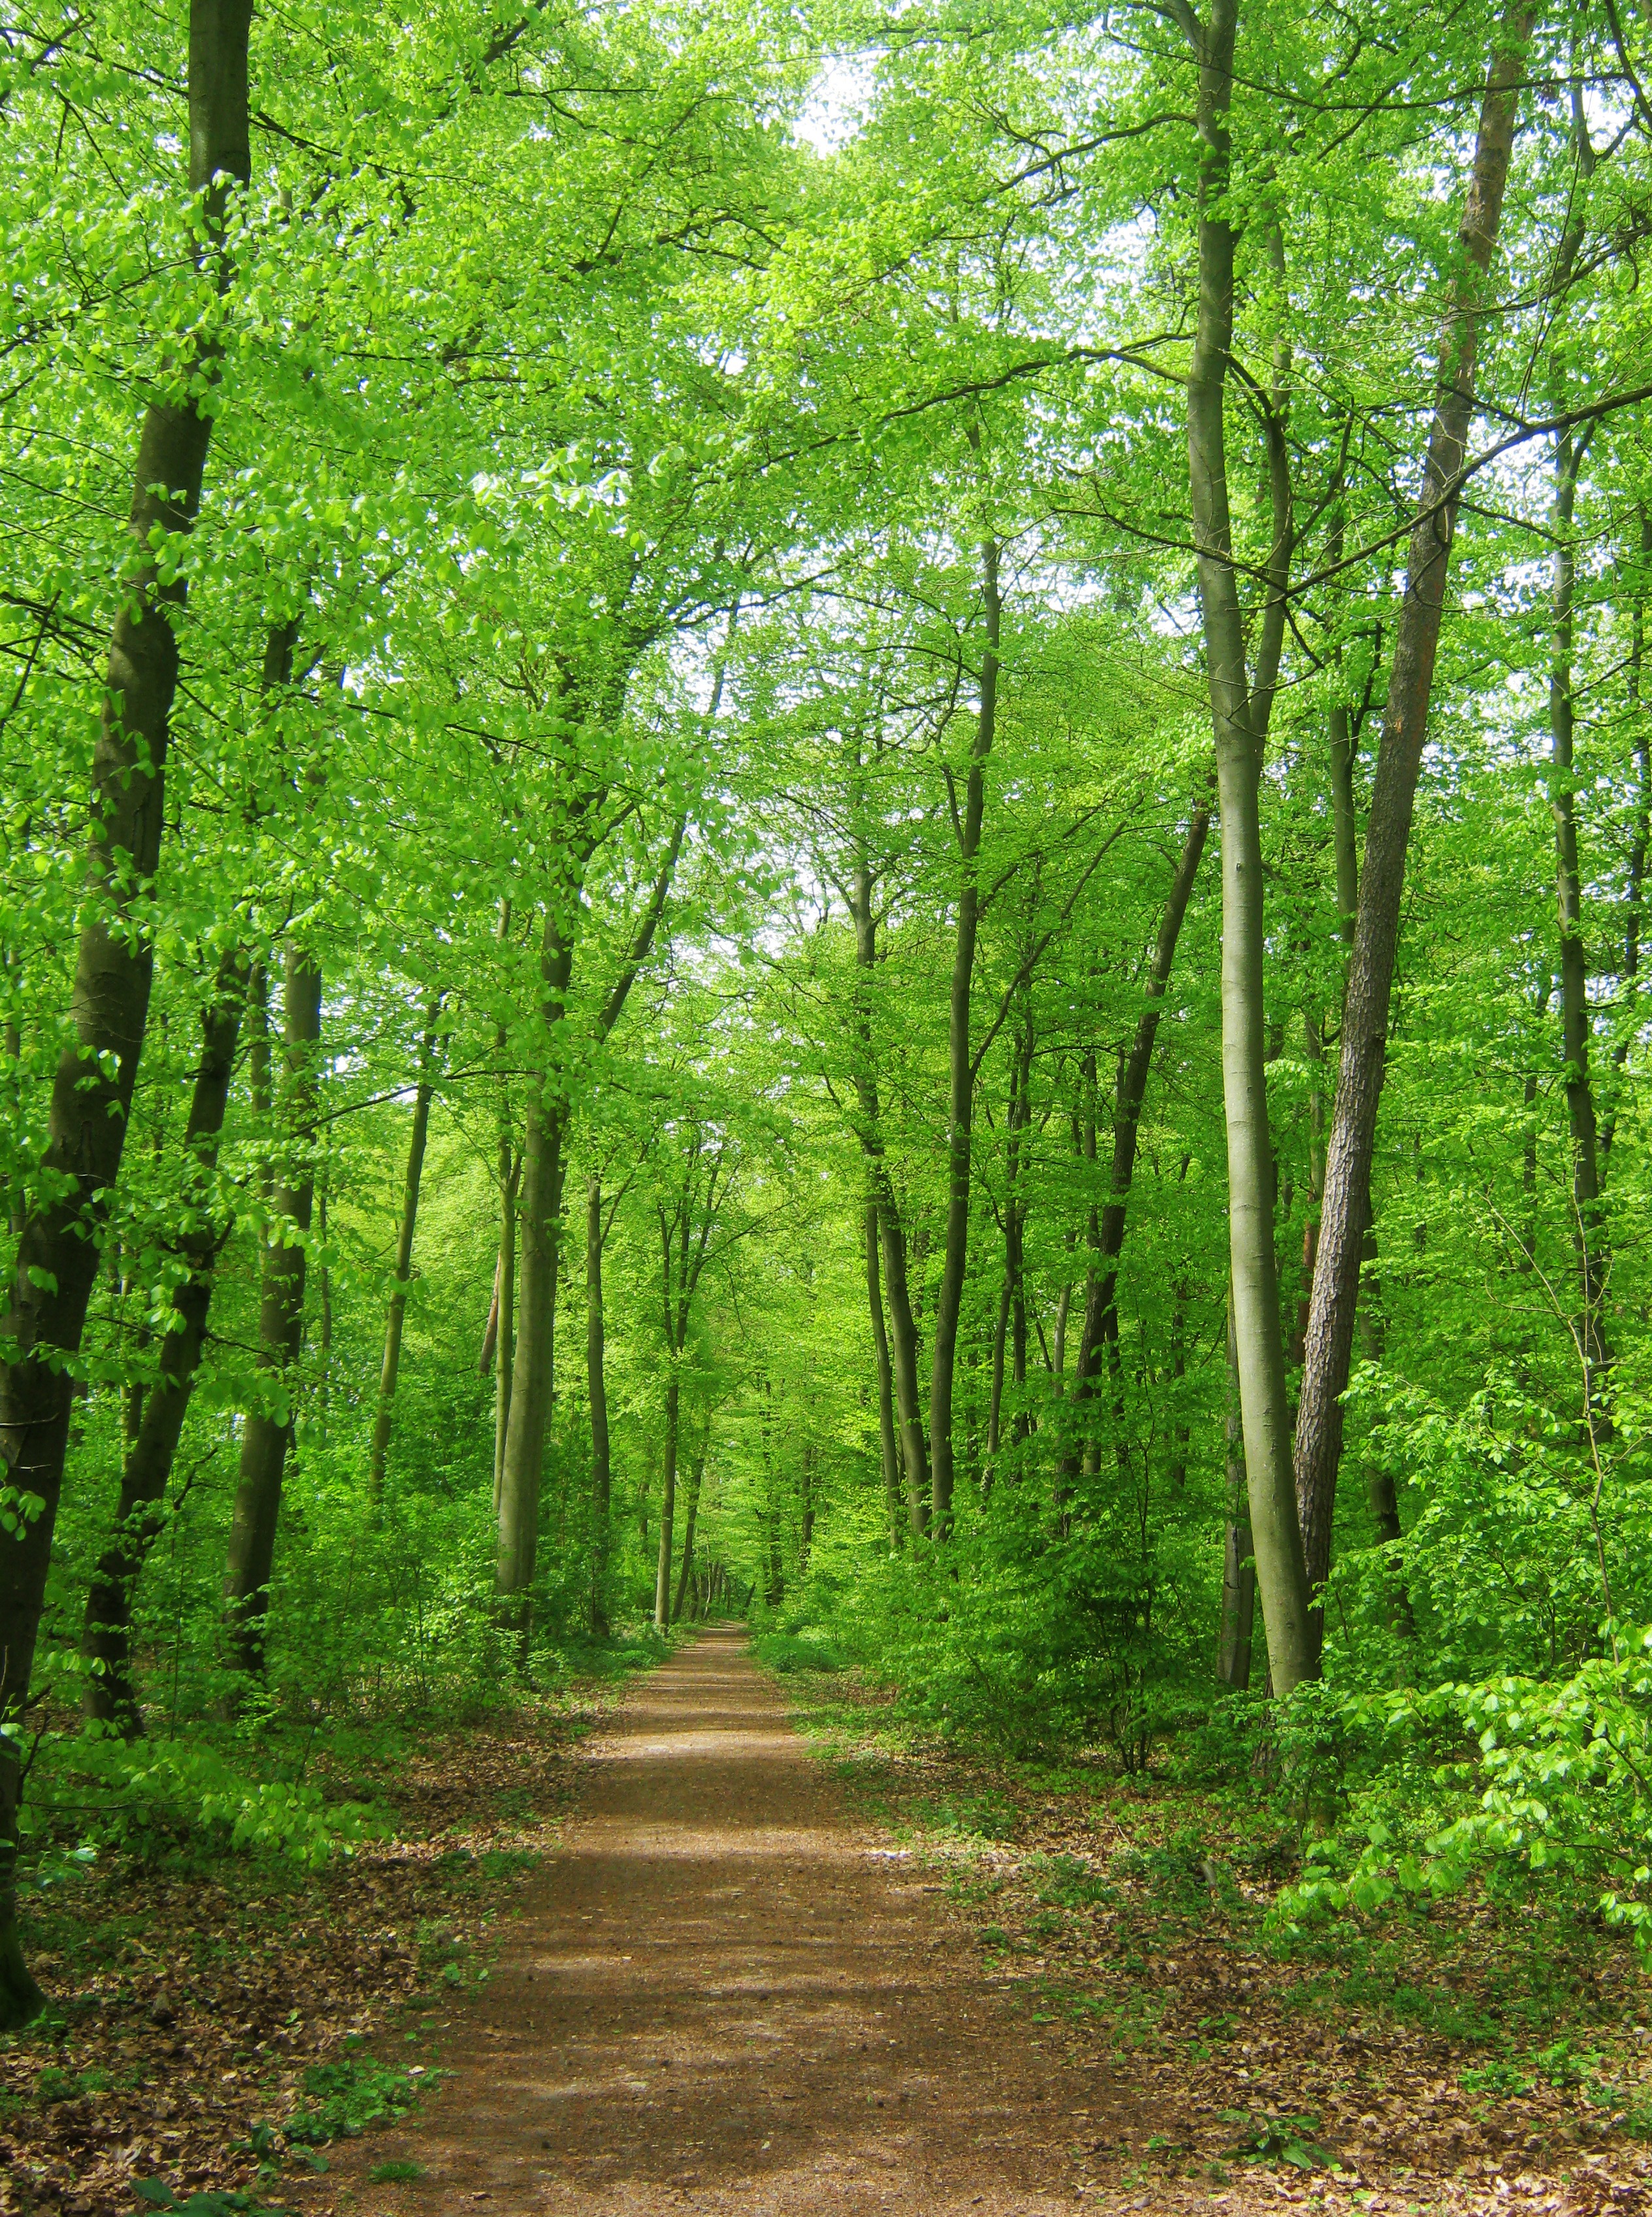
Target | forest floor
(703,1960)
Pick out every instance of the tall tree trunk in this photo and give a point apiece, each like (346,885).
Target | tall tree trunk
(891,1231)
(397,1310)
(109,1694)
(1240,713)
(1576,1025)
(887,1443)
(667,1501)
(1641,838)
(1100,1325)
(1347,1198)
(1238,1562)
(59,1249)
(268,1432)
(597,1385)
(543,1170)
(691,1510)
(531,1380)
(960,1068)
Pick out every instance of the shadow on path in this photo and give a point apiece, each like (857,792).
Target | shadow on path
(726,1997)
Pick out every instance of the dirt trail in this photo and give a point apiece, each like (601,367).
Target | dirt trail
(726,1996)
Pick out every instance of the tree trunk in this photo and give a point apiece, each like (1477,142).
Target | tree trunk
(1240,713)
(397,1310)
(667,1502)
(887,1442)
(532,1374)
(59,1252)
(1238,1563)
(596,1384)
(109,1694)
(266,1434)
(1100,1326)
(903,1326)
(960,1106)
(691,1510)
(1641,839)
(1371,970)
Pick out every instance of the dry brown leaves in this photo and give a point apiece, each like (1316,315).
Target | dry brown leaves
(187,2008)
(1211,2054)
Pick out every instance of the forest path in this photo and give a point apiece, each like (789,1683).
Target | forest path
(724,1995)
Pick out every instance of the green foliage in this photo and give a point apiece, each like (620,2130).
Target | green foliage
(785,1651)
(158,1794)
(340,2100)
(1517,1780)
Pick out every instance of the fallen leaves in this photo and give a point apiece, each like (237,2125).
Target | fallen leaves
(213,2020)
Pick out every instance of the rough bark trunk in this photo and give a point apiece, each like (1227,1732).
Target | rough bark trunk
(1241,709)
(268,1432)
(58,1250)
(391,1365)
(596,1388)
(543,1167)
(106,1639)
(1371,970)
(960,1104)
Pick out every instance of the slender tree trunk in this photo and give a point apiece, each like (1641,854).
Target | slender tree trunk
(903,1325)
(1588,1232)
(887,1442)
(502,1355)
(268,1432)
(597,1394)
(1641,838)
(1240,711)
(691,1510)
(109,1694)
(1238,1563)
(1347,1197)
(960,1107)
(1100,1325)
(397,1310)
(667,1501)
(59,1248)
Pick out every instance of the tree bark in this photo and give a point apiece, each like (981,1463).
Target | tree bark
(1238,1563)
(58,1250)
(597,1395)
(1371,970)
(543,1169)
(667,1501)
(1100,1325)
(960,1067)
(891,1231)
(268,1432)
(397,1309)
(691,1510)
(1240,712)
(888,1445)
(108,1695)
(1641,839)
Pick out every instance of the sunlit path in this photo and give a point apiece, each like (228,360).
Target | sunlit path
(727,1998)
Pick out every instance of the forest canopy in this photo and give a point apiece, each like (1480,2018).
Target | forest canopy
(839,815)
